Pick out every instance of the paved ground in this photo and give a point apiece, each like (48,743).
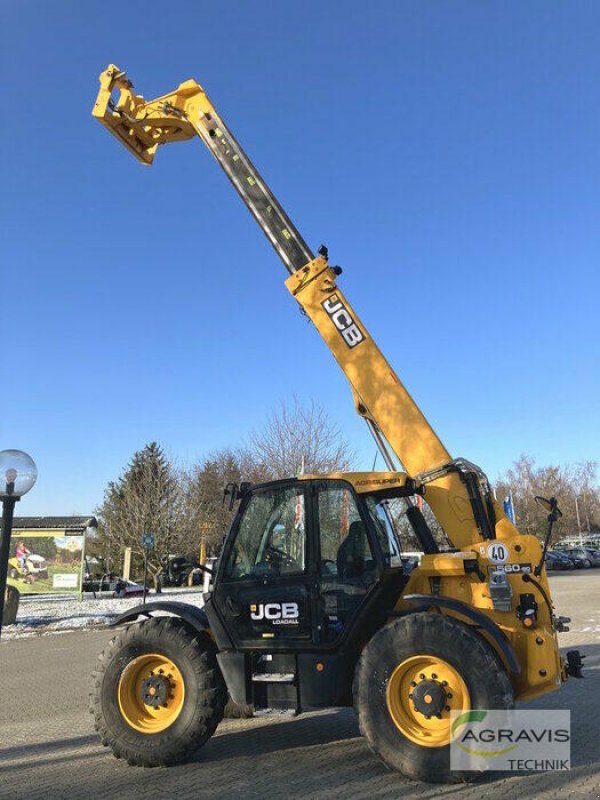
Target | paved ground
(48,748)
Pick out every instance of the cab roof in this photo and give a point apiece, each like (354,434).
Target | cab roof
(364,482)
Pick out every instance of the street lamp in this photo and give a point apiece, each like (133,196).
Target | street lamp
(18,473)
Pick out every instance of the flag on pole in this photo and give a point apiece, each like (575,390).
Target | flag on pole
(299,515)
(345,514)
(509,508)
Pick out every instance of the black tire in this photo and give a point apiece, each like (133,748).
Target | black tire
(194,656)
(435,635)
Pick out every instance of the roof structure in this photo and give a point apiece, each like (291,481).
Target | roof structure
(70,524)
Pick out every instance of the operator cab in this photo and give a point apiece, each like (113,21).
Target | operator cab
(312,566)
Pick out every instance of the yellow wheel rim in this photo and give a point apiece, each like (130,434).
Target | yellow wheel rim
(151,693)
(419,686)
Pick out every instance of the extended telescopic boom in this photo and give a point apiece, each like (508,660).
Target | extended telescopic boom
(141,126)
(457,491)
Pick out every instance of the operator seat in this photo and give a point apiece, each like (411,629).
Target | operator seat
(351,553)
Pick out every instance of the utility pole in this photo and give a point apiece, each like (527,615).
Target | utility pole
(578,522)
(585,512)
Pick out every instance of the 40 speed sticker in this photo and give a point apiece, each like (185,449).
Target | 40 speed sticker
(497,553)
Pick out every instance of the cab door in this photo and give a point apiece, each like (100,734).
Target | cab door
(264,590)
(348,567)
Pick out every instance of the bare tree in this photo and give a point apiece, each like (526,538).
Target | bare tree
(524,480)
(206,515)
(585,485)
(296,436)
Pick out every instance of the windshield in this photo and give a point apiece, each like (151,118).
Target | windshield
(391,522)
(270,539)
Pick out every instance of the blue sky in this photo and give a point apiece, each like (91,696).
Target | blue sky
(448,153)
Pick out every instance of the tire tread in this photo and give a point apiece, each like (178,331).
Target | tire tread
(200,652)
(418,630)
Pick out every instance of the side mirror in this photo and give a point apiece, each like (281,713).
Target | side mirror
(235,492)
(554,513)
(551,506)
(231,491)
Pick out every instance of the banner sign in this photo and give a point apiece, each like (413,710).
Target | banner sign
(509,508)
(42,561)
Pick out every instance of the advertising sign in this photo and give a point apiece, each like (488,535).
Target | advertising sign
(44,561)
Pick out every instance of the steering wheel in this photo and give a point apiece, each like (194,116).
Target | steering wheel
(328,568)
(282,555)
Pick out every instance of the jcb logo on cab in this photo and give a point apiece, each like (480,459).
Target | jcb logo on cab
(277,613)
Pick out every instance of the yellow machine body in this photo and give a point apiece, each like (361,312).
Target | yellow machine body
(392,414)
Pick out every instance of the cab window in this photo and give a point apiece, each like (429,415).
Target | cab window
(347,567)
(346,555)
(271,538)
(382,514)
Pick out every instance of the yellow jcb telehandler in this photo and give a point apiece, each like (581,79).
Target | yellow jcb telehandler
(311,602)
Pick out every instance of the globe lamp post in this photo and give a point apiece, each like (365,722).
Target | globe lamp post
(18,473)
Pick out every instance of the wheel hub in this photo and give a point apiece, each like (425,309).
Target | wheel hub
(155,691)
(429,698)
(422,692)
(151,693)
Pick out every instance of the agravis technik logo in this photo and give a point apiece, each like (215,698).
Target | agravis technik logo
(510,740)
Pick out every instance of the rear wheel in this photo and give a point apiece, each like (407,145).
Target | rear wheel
(158,694)
(410,677)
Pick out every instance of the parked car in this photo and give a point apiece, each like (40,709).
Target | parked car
(558,561)
(578,556)
(110,585)
(177,571)
(583,554)
(594,556)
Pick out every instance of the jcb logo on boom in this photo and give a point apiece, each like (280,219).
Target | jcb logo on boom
(277,613)
(340,316)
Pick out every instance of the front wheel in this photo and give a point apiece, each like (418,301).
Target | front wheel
(158,694)
(411,675)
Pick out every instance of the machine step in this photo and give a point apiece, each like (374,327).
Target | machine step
(273,677)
